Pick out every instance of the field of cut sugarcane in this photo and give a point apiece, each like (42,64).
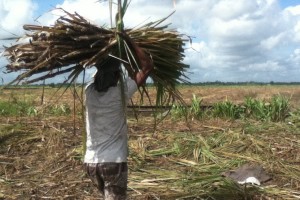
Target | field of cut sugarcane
(183,154)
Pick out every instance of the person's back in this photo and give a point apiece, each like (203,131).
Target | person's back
(106,126)
(106,123)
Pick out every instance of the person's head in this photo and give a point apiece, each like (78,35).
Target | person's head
(107,74)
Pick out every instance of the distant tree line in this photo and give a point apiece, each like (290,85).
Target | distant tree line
(245,83)
(58,85)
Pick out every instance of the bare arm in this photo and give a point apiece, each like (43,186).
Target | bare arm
(145,63)
(143,60)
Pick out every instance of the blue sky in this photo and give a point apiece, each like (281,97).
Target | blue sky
(286,3)
(233,40)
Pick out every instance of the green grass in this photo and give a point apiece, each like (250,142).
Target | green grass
(15,108)
(28,108)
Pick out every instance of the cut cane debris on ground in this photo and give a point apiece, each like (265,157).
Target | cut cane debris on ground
(41,157)
(184,157)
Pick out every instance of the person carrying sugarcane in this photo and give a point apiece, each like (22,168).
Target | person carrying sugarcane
(106,124)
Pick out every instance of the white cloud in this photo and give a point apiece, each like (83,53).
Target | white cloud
(294,10)
(295,57)
(92,10)
(234,40)
(297,32)
(13,14)
(228,10)
(263,67)
(272,41)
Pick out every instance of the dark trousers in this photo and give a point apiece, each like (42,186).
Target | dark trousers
(109,178)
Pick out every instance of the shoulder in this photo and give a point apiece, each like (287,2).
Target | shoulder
(131,86)
(89,85)
(89,89)
(130,80)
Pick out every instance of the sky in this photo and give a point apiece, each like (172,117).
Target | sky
(232,40)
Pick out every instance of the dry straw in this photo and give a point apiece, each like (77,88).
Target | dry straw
(73,44)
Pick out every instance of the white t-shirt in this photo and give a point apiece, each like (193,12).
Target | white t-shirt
(106,124)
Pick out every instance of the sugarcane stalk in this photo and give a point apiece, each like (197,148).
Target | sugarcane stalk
(120,29)
(49,75)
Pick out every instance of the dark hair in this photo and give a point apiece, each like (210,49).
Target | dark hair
(107,74)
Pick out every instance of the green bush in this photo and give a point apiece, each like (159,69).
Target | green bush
(280,108)
(277,109)
(227,109)
(179,111)
(58,110)
(257,109)
(194,111)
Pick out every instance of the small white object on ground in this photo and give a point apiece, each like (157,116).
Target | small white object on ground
(252,180)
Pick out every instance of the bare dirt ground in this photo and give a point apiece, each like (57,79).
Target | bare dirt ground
(40,157)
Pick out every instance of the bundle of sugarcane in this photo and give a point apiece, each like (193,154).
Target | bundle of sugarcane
(73,44)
